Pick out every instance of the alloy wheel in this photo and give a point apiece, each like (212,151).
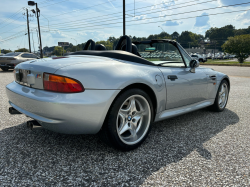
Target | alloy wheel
(223,95)
(133,119)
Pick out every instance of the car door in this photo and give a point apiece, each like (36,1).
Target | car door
(183,86)
(24,57)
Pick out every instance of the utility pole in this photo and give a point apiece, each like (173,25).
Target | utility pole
(32,3)
(124,20)
(41,49)
(28,28)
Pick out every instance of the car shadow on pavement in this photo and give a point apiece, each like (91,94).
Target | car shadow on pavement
(42,157)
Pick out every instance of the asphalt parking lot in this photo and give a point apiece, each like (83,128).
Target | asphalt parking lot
(201,148)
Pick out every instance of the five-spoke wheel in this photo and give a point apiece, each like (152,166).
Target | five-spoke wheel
(221,97)
(128,121)
(133,119)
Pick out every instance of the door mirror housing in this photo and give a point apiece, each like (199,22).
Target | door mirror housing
(194,63)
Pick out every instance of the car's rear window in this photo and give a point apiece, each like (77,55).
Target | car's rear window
(12,54)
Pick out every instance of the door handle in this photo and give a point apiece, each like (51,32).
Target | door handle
(213,77)
(172,77)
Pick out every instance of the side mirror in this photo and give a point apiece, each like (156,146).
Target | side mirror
(194,63)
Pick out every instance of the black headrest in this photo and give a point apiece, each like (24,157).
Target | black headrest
(100,47)
(135,50)
(91,43)
(124,40)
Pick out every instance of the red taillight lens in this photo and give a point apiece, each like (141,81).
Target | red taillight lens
(61,84)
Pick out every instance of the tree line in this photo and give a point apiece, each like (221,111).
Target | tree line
(213,36)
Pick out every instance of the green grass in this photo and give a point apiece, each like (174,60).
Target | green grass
(225,62)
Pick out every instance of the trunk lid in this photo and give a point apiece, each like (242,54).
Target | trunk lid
(6,59)
(30,73)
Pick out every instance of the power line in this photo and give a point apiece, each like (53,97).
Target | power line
(11,22)
(114,14)
(89,19)
(13,15)
(54,3)
(81,9)
(12,29)
(12,38)
(159,21)
(99,21)
(63,28)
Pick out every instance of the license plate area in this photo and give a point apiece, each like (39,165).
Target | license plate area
(21,76)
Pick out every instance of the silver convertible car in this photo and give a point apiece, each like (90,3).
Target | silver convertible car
(118,93)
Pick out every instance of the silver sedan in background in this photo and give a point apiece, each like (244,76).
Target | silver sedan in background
(116,92)
(10,60)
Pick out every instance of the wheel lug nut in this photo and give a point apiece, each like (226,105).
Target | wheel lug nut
(129,124)
(133,120)
(133,113)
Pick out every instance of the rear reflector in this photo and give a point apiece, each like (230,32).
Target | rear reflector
(61,84)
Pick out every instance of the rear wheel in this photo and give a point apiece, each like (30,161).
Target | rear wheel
(5,69)
(128,121)
(221,97)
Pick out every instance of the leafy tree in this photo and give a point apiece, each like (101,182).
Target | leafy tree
(58,51)
(6,51)
(107,44)
(175,36)
(22,50)
(220,35)
(238,45)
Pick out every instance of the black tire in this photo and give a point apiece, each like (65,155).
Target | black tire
(109,131)
(216,107)
(5,69)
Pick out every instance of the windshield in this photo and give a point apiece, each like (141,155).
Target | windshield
(161,53)
(12,54)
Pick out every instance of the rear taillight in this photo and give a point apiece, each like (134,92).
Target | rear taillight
(61,84)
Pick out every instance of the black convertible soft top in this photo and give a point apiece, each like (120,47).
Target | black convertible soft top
(117,54)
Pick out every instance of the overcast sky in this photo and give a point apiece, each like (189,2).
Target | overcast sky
(62,20)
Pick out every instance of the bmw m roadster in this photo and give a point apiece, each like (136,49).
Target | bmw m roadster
(118,93)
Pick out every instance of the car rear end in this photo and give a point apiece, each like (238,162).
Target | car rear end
(57,102)
(8,62)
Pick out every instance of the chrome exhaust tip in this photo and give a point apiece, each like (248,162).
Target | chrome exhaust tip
(33,124)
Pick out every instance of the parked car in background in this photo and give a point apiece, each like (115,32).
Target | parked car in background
(209,56)
(10,60)
(199,58)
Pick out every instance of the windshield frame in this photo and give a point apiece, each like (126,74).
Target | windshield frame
(173,42)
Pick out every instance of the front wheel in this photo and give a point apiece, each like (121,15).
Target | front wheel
(128,121)
(221,97)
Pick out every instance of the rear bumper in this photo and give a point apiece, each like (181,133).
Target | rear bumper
(78,113)
(9,66)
